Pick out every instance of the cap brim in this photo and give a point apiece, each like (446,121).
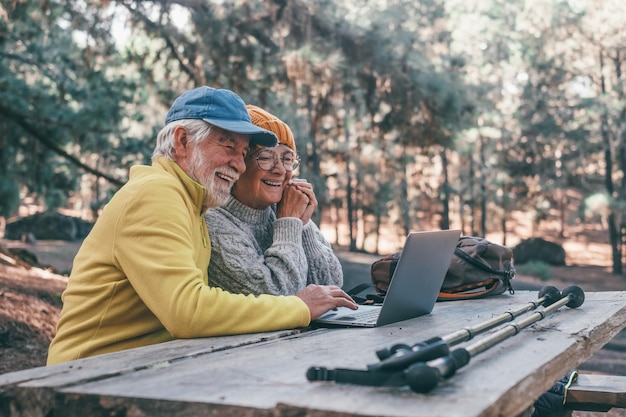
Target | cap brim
(258,136)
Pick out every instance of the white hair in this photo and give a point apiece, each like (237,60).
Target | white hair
(198,130)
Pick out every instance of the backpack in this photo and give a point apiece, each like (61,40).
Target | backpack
(479,268)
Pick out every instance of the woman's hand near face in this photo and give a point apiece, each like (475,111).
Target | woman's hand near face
(293,204)
(306,188)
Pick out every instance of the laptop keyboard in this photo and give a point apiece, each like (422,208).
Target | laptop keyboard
(363,315)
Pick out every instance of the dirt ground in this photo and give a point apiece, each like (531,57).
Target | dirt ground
(30,301)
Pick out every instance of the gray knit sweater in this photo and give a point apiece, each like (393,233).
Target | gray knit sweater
(253,252)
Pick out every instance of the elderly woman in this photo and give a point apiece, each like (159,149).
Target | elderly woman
(263,240)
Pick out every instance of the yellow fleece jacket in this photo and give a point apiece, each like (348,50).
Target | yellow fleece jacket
(140,276)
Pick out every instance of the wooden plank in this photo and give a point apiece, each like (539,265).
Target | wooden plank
(133,359)
(40,398)
(268,377)
(597,392)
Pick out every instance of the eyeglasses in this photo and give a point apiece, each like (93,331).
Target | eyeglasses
(267,160)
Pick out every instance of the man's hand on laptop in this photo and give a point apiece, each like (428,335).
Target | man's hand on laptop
(322,298)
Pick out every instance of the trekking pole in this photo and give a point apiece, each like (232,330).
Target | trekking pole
(392,373)
(400,356)
(423,377)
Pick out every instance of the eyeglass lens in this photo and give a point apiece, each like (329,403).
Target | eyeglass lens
(267,160)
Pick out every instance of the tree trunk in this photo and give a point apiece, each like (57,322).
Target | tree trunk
(445,212)
(472,195)
(483,188)
(350,205)
(404,200)
(614,233)
(379,221)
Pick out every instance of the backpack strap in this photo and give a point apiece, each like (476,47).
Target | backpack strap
(358,289)
(480,265)
(506,274)
(369,298)
(470,291)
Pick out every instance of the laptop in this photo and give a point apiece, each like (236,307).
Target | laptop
(415,285)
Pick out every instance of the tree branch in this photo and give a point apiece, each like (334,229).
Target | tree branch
(20,119)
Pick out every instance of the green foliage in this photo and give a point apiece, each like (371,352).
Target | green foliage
(537,269)
(61,98)
(56,199)
(9,197)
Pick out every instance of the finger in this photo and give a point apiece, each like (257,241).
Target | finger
(307,191)
(343,302)
(302,185)
(337,292)
(303,192)
(291,190)
(310,196)
(344,294)
(294,195)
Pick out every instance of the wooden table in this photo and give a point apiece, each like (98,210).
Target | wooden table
(264,374)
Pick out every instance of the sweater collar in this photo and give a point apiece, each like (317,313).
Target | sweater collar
(247,214)
(196,191)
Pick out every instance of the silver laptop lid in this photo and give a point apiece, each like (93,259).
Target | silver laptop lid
(419,275)
(416,282)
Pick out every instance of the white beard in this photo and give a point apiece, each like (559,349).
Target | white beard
(217,194)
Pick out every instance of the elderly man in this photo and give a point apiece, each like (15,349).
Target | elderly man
(140,277)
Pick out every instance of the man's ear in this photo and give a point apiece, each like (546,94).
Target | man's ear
(180,142)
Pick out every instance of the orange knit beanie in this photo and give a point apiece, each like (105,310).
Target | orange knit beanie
(272,123)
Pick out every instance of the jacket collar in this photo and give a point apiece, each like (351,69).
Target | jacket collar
(195,190)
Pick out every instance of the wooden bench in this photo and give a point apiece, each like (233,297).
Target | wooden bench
(593,392)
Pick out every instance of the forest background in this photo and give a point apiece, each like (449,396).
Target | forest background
(492,116)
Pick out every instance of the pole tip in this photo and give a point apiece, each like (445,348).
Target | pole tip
(551,294)
(575,294)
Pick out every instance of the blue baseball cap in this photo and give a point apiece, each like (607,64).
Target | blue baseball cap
(221,108)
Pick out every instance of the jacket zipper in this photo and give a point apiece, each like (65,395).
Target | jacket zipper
(202,231)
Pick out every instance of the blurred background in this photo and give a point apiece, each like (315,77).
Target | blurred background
(506,119)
